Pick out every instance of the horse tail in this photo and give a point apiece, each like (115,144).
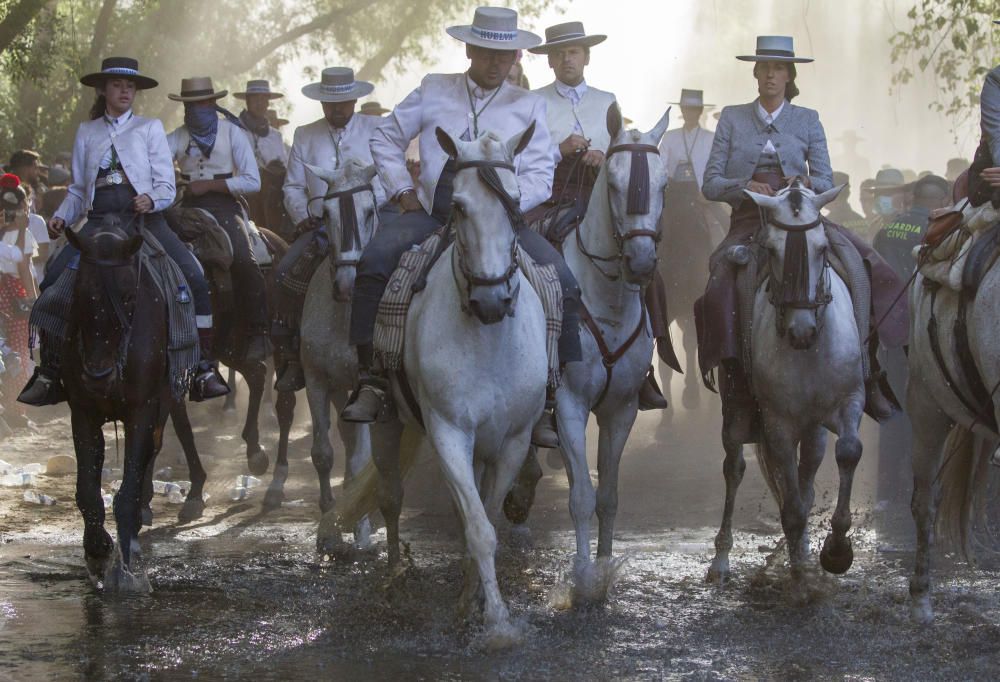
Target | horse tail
(360,495)
(761,453)
(964,478)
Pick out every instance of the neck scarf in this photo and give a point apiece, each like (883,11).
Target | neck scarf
(258,125)
(203,125)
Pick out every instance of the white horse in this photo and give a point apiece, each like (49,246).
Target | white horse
(946,414)
(613,256)
(329,362)
(476,369)
(807,375)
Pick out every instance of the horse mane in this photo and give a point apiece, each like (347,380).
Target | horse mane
(795,199)
(598,208)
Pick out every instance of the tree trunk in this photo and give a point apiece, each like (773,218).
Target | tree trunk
(18,19)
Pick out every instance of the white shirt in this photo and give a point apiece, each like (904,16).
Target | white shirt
(574,93)
(442,100)
(143,153)
(238,159)
(677,144)
(314,144)
(268,148)
(768,119)
(587,116)
(10,255)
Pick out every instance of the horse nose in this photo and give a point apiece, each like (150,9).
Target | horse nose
(639,268)
(802,336)
(490,308)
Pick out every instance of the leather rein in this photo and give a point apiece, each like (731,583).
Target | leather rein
(350,232)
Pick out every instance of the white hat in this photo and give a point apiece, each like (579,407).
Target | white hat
(570,33)
(693,98)
(337,84)
(495,28)
(258,87)
(774,49)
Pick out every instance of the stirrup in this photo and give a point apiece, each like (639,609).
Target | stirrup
(545,433)
(291,378)
(369,403)
(207,384)
(650,395)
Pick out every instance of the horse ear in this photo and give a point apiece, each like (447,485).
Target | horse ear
(321,173)
(447,144)
(73,240)
(661,127)
(370,172)
(614,118)
(821,200)
(517,143)
(762,200)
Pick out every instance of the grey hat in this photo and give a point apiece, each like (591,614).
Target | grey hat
(564,35)
(495,28)
(693,98)
(889,177)
(258,87)
(775,49)
(337,84)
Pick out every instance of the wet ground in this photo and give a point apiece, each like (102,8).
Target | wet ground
(240,593)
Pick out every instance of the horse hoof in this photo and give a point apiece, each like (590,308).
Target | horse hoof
(147,516)
(501,636)
(717,575)
(257,462)
(691,399)
(836,557)
(273,499)
(191,510)
(554,460)
(921,611)
(121,580)
(330,539)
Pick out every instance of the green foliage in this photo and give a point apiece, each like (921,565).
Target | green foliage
(956,42)
(42,102)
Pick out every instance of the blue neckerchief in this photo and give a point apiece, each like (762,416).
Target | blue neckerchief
(203,125)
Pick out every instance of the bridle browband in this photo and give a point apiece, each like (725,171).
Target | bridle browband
(350,231)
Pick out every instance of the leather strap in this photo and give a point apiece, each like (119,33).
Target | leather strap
(649,148)
(608,357)
(217,176)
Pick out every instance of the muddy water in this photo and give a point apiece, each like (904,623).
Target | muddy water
(240,593)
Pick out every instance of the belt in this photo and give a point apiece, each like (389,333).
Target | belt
(102,182)
(219,176)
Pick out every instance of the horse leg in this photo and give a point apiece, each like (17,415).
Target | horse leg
(88,442)
(811,451)
(194,504)
(358,447)
(146,507)
(229,402)
(318,394)
(733,468)
(614,431)
(572,416)
(284,408)
(930,430)
(518,502)
(691,397)
(837,555)
(386,442)
(780,452)
(253,373)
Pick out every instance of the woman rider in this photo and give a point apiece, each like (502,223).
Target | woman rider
(760,147)
(122,165)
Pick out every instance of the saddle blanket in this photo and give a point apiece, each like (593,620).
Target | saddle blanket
(948,261)
(390,323)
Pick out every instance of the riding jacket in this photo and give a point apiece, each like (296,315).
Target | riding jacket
(232,158)
(268,148)
(587,118)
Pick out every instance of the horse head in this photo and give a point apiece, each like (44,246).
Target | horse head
(797,245)
(106,287)
(486,215)
(636,180)
(350,218)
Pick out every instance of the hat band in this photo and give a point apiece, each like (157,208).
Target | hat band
(197,93)
(489,34)
(258,91)
(337,89)
(775,53)
(120,69)
(567,36)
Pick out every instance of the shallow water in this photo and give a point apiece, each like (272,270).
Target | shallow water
(240,593)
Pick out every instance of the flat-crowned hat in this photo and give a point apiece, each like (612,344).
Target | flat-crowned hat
(889,177)
(274,120)
(693,98)
(258,87)
(774,49)
(495,28)
(197,89)
(373,108)
(337,84)
(119,67)
(565,35)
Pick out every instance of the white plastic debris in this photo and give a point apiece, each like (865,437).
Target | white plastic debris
(175,496)
(164,474)
(33,468)
(110,473)
(6,468)
(17,480)
(35,497)
(249,482)
(108,500)
(238,492)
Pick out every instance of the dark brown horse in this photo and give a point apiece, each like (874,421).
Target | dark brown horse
(115,368)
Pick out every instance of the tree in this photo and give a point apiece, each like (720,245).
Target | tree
(955,40)
(41,100)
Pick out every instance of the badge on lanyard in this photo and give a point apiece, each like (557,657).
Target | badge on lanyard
(114,178)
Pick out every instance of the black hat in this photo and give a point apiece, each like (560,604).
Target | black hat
(119,67)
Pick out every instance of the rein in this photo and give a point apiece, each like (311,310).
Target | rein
(350,231)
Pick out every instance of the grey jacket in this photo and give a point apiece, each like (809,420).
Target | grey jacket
(740,137)
(989,102)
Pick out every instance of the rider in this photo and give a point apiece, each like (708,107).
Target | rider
(329,142)
(122,165)
(217,162)
(268,147)
(465,105)
(839,210)
(984,174)
(759,147)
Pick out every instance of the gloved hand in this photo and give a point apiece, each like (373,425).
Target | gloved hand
(308,225)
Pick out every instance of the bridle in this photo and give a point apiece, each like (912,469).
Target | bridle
(779,297)
(486,171)
(637,203)
(350,231)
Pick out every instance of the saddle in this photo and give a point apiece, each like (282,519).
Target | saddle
(961,246)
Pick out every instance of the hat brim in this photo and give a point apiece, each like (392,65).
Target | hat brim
(95,80)
(525,40)
(582,41)
(772,58)
(270,95)
(376,112)
(360,89)
(682,104)
(198,98)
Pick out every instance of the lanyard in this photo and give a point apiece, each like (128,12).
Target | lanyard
(336,147)
(472,105)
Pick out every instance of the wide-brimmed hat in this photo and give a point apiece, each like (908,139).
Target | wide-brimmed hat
(889,177)
(258,87)
(495,28)
(565,35)
(275,120)
(692,98)
(775,49)
(373,108)
(850,136)
(337,84)
(119,67)
(197,89)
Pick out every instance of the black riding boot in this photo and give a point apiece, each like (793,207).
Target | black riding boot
(207,382)
(371,400)
(650,395)
(44,387)
(545,433)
